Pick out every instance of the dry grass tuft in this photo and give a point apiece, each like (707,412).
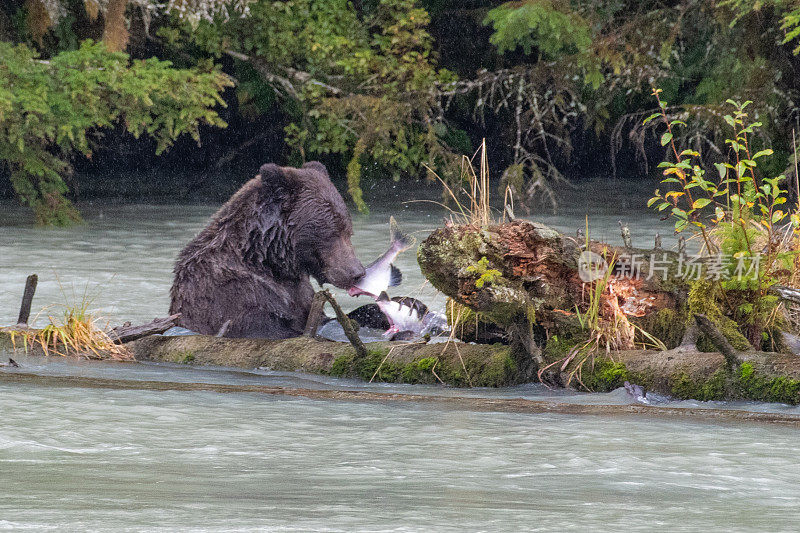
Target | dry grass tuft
(470,204)
(76,333)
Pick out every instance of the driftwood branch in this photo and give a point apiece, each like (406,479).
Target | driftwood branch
(27,298)
(315,315)
(347,325)
(127,333)
(719,341)
(786,293)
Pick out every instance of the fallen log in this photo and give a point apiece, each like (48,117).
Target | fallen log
(691,374)
(521,273)
(127,332)
(451,363)
(682,372)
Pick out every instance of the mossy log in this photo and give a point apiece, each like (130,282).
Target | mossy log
(397,362)
(524,272)
(690,374)
(680,372)
(455,364)
(536,268)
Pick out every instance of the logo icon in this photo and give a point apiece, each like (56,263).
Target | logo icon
(591,266)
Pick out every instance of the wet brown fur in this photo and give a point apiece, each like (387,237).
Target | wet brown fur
(252,263)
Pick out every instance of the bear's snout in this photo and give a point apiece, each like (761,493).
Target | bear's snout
(345,276)
(357,273)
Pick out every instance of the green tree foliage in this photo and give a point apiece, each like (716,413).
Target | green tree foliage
(360,84)
(49,109)
(610,52)
(539,26)
(364,85)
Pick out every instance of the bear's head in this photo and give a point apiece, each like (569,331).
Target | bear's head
(303,226)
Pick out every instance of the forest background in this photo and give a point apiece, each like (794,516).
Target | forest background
(188,97)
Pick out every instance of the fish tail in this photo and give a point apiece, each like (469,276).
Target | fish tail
(395,276)
(398,238)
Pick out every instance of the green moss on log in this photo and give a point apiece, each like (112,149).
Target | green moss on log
(604,375)
(770,389)
(704,382)
(702,300)
(558,347)
(456,260)
(667,325)
(744,384)
(457,248)
(497,369)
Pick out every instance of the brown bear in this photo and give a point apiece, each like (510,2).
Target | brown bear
(250,266)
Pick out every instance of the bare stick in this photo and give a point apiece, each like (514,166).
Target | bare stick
(27,298)
(315,315)
(129,333)
(690,336)
(347,326)
(718,340)
(788,294)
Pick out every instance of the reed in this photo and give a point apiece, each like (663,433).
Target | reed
(76,333)
(470,204)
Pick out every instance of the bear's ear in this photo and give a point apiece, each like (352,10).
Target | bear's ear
(319,167)
(274,183)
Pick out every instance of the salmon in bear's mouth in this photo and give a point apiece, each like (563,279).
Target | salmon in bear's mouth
(381,273)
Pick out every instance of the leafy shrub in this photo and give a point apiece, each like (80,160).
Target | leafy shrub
(50,109)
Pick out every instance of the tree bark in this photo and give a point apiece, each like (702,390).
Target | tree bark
(539,270)
(115,34)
